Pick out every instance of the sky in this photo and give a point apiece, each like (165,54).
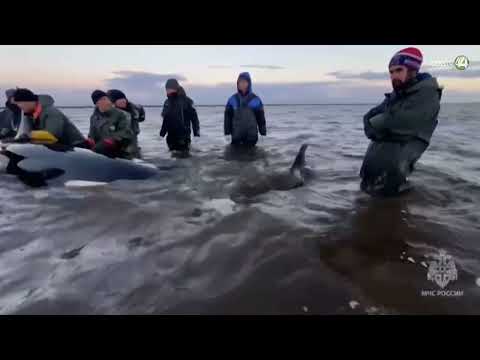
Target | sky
(281,74)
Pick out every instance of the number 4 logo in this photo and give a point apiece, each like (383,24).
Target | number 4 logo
(461,62)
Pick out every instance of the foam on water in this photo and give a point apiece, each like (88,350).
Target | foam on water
(223,206)
(354,304)
(83,183)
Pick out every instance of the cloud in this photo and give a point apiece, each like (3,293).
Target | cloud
(139,83)
(346,89)
(267,67)
(454,73)
(138,79)
(368,75)
(220,66)
(472,64)
(291,93)
(62,96)
(471,72)
(254,66)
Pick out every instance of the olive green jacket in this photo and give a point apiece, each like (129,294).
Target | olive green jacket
(408,114)
(55,122)
(113,124)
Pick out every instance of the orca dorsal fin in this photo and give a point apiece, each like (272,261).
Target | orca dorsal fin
(299,162)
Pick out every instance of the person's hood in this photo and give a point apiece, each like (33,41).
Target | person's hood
(181,91)
(26,126)
(13,107)
(423,80)
(45,100)
(10,93)
(246,76)
(172,84)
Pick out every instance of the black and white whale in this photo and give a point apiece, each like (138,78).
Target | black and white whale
(40,165)
(252,183)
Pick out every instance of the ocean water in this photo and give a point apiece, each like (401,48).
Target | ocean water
(180,243)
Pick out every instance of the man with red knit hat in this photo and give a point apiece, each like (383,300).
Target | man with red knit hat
(401,127)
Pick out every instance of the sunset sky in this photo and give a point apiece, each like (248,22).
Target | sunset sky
(281,74)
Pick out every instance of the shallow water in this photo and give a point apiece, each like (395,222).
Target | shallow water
(180,243)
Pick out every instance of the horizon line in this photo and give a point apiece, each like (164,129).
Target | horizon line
(266,105)
(222,105)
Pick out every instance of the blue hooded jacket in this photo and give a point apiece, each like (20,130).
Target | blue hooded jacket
(255,103)
(242,130)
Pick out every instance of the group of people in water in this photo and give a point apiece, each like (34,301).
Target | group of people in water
(400,128)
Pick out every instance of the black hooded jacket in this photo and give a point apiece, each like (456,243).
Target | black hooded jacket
(179,117)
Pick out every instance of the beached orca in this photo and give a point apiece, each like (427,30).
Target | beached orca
(40,165)
(254,183)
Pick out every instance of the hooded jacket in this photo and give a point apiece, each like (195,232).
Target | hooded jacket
(244,115)
(407,114)
(179,117)
(49,118)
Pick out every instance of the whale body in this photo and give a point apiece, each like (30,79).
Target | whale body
(40,165)
(254,183)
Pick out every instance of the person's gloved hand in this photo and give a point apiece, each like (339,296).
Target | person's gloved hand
(106,147)
(196,135)
(110,144)
(370,132)
(90,143)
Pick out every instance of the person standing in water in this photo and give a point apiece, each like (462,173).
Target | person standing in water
(244,114)
(136,112)
(400,128)
(179,118)
(11,117)
(110,130)
(40,114)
